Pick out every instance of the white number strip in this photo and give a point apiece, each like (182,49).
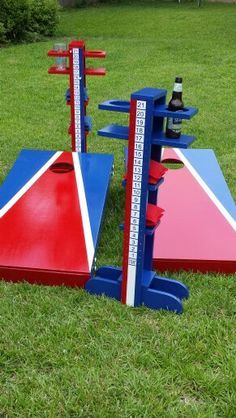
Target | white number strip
(136,200)
(209,192)
(30,183)
(84,210)
(77,98)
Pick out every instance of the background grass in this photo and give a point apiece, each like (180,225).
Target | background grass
(64,353)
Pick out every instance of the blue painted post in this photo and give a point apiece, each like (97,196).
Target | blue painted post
(140,143)
(135,283)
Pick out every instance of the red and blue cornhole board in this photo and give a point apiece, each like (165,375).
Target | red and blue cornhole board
(198,230)
(51,208)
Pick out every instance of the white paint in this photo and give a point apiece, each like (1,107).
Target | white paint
(135,199)
(84,210)
(77,99)
(209,192)
(130,294)
(29,184)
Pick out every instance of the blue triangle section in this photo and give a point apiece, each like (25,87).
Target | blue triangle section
(205,163)
(25,167)
(96,172)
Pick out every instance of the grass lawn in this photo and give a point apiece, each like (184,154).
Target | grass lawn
(64,353)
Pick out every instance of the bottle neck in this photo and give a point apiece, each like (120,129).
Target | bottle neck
(177,95)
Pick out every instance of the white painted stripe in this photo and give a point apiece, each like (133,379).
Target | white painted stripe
(29,184)
(77,99)
(135,215)
(130,293)
(84,210)
(162,152)
(209,192)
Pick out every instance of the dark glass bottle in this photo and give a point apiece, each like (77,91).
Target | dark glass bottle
(173,125)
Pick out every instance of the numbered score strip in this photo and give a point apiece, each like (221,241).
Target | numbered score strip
(140,122)
(77,98)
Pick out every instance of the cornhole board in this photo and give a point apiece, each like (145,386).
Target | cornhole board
(198,229)
(51,208)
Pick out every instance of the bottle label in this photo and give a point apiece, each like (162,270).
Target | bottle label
(174,124)
(178,87)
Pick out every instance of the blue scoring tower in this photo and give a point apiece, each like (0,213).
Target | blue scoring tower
(135,283)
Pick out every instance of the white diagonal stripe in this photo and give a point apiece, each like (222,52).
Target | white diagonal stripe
(30,183)
(130,295)
(84,210)
(209,192)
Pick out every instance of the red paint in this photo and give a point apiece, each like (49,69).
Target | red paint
(54,70)
(41,236)
(193,234)
(95,54)
(95,71)
(44,277)
(83,70)
(156,171)
(53,53)
(153,215)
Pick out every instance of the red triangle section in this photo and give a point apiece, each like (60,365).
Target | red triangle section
(193,234)
(41,236)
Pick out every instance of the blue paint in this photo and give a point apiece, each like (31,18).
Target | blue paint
(96,172)
(150,93)
(187,113)
(67,95)
(115,131)
(88,123)
(106,281)
(205,163)
(170,286)
(184,141)
(151,290)
(86,95)
(115,106)
(27,164)
(139,96)
(96,180)
(155,299)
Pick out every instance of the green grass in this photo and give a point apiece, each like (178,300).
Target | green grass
(64,353)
